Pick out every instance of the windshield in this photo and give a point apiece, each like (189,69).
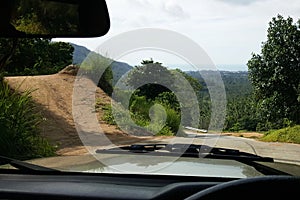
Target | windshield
(217,74)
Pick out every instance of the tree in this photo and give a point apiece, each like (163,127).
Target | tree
(193,81)
(7,49)
(147,78)
(173,88)
(32,56)
(241,114)
(99,69)
(275,72)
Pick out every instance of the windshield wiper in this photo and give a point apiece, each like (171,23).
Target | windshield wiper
(24,166)
(187,150)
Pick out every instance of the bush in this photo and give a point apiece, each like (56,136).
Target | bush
(168,99)
(140,112)
(289,134)
(19,119)
(108,115)
(99,70)
(140,107)
(165,131)
(236,127)
(173,120)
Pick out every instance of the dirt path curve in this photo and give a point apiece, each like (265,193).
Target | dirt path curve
(53,95)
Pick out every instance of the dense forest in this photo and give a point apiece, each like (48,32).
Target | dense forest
(238,95)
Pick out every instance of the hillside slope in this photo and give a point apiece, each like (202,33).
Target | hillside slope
(53,95)
(118,68)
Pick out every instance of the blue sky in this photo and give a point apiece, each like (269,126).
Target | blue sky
(228,30)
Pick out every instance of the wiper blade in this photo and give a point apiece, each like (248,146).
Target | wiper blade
(187,150)
(24,166)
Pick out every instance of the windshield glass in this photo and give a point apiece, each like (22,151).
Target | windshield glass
(218,74)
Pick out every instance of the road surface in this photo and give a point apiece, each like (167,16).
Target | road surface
(283,152)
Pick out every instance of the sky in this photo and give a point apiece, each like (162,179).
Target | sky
(229,31)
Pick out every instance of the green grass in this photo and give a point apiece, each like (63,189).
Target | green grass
(19,132)
(289,135)
(108,115)
(139,114)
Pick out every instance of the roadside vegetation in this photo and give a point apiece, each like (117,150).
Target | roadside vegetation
(33,56)
(272,106)
(273,101)
(288,134)
(19,119)
(152,106)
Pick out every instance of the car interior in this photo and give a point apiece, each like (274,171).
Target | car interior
(23,180)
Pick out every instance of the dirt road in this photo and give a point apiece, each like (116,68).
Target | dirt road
(53,96)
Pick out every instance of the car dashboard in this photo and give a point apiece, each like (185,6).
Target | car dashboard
(67,185)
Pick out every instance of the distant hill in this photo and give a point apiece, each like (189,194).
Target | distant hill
(79,54)
(118,68)
(236,83)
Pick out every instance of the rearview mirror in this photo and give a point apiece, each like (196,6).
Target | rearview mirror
(53,18)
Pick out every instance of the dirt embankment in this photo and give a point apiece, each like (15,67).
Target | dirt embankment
(53,95)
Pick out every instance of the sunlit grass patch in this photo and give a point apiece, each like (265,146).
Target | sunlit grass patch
(289,134)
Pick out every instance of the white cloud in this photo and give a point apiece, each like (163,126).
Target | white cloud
(240,2)
(140,3)
(175,10)
(229,30)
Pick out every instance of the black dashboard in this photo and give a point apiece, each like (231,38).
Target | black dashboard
(108,186)
(131,186)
